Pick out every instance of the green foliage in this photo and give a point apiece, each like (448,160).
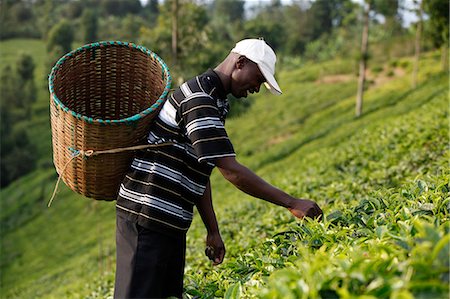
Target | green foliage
(89,20)
(74,9)
(18,155)
(120,7)
(268,24)
(377,69)
(226,20)
(131,28)
(37,124)
(47,16)
(382,181)
(238,106)
(18,93)
(228,11)
(52,57)
(61,35)
(25,67)
(328,47)
(438,10)
(387,8)
(316,30)
(194,36)
(16,19)
(150,12)
(325,15)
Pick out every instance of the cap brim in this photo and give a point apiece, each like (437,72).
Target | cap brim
(271,84)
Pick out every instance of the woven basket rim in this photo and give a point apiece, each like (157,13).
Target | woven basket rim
(130,119)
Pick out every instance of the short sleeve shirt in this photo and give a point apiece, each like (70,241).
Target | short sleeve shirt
(164,182)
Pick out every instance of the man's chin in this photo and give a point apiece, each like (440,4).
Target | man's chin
(241,95)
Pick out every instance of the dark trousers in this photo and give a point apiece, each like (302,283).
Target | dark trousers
(149,264)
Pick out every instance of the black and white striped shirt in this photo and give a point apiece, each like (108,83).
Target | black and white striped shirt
(164,183)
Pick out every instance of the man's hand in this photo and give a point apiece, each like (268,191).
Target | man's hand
(301,208)
(215,249)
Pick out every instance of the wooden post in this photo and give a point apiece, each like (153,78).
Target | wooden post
(174,31)
(363,62)
(444,57)
(417,45)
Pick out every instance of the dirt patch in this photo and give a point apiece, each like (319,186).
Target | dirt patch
(339,78)
(384,76)
(279,139)
(375,79)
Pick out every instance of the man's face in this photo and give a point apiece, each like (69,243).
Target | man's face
(246,78)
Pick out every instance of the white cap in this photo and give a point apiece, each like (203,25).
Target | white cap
(262,54)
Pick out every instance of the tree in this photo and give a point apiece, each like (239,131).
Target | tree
(323,16)
(19,89)
(17,94)
(306,22)
(268,24)
(363,61)
(74,9)
(47,16)
(62,35)
(7,92)
(438,11)
(340,39)
(228,10)
(120,7)
(150,12)
(228,16)
(388,8)
(131,26)
(20,159)
(272,32)
(89,19)
(195,49)
(295,29)
(21,12)
(25,79)
(17,19)
(25,67)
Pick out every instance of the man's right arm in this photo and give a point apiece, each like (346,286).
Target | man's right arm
(247,181)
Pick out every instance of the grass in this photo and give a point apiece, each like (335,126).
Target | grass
(382,181)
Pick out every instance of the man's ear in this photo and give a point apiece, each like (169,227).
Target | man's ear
(241,61)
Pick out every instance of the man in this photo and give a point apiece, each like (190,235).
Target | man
(156,198)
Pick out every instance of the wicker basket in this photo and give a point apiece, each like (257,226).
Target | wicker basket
(103,96)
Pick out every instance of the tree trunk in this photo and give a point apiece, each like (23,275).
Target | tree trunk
(363,62)
(444,57)
(417,47)
(174,31)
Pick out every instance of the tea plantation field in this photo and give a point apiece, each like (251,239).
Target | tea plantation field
(382,181)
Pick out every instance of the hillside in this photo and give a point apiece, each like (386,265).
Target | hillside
(382,181)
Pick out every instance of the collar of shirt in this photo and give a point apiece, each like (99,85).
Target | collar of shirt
(216,90)
(214,81)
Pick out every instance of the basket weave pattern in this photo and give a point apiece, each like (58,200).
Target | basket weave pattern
(103,96)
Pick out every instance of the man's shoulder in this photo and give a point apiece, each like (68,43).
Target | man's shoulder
(193,89)
(205,84)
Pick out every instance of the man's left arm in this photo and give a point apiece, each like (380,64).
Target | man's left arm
(215,248)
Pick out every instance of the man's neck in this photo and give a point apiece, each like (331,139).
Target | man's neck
(224,71)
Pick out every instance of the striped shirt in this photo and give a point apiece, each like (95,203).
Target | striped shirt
(164,182)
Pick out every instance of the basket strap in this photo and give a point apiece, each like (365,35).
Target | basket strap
(89,153)
(59,177)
